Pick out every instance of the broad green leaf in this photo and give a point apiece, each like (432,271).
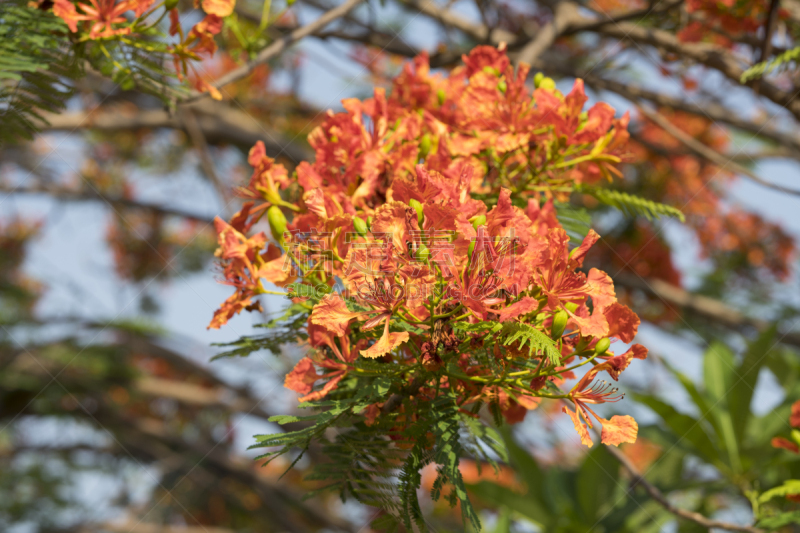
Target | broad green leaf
(719,376)
(685,427)
(744,384)
(597,481)
(718,367)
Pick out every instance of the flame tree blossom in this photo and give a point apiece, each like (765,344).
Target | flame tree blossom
(424,260)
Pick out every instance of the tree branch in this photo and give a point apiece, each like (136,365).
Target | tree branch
(655,494)
(84,195)
(279,46)
(217,122)
(708,308)
(709,153)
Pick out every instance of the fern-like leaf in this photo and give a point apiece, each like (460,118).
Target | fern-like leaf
(510,332)
(780,61)
(634,205)
(36,62)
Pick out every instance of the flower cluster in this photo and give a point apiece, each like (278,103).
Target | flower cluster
(104,20)
(424,237)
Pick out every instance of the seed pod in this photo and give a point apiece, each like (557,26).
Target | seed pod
(559,324)
(602,346)
(418,208)
(360,226)
(277,222)
(425,146)
(479,220)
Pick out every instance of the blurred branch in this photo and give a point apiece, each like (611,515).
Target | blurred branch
(217,122)
(145,527)
(704,306)
(708,153)
(64,193)
(662,500)
(279,46)
(711,110)
(199,142)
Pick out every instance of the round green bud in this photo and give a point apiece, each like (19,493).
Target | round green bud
(559,324)
(537,79)
(478,220)
(418,208)
(548,84)
(277,222)
(423,253)
(360,226)
(441,96)
(502,86)
(602,346)
(425,146)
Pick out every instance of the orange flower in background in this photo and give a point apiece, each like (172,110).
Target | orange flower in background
(102,15)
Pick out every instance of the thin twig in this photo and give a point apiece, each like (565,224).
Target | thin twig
(769,30)
(279,46)
(659,497)
(709,153)
(200,144)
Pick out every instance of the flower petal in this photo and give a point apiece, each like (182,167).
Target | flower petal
(619,429)
(332,314)
(387,343)
(580,427)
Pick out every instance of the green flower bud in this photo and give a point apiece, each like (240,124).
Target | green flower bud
(571,306)
(418,208)
(471,248)
(277,222)
(170,4)
(423,253)
(537,79)
(602,346)
(478,220)
(424,146)
(548,84)
(360,226)
(369,222)
(441,96)
(502,86)
(559,324)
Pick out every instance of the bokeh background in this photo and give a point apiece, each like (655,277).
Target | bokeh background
(113,416)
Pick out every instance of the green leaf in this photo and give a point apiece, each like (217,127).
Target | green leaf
(791,486)
(685,427)
(778,521)
(633,205)
(718,377)
(576,221)
(718,366)
(744,383)
(597,481)
(760,69)
(510,332)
